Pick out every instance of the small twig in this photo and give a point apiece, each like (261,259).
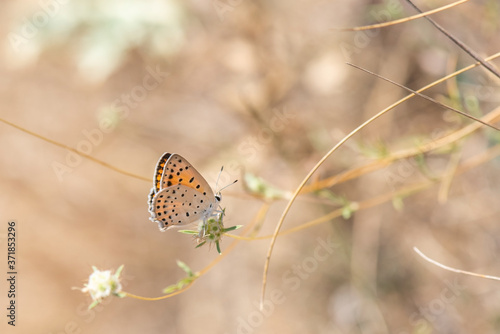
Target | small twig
(296,193)
(448,176)
(69,148)
(428,259)
(405,19)
(309,175)
(425,97)
(458,42)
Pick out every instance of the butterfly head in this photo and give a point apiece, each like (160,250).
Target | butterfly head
(218,194)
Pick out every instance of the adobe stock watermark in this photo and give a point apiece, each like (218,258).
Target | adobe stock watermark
(427,317)
(278,122)
(223,7)
(399,172)
(122,107)
(485,92)
(291,280)
(31,26)
(363,38)
(251,145)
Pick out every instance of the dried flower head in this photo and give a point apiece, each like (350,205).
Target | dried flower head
(101,284)
(211,231)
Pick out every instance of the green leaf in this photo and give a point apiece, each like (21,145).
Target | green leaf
(346,212)
(376,150)
(121,294)
(171,288)
(179,285)
(232,228)
(185,267)
(119,270)
(397,203)
(94,304)
(188,232)
(330,195)
(185,281)
(218,246)
(259,186)
(201,244)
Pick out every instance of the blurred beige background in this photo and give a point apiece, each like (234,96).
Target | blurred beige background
(258,87)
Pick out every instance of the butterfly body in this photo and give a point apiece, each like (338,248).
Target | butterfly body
(180,195)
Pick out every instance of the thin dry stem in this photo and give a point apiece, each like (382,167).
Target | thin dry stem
(460,44)
(296,193)
(467,165)
(428,259)
(302,184)
(262,212)
(405,19)
(448,176)
(425,97)
(53,142)
(351,174)
(127,294)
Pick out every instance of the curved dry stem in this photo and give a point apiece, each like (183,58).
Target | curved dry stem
(351,174)
(467,165)
(426,97)
(448,176)
(53,142)
(260,214)
(428,259)
(405,19)
(297,191)
(459,43)
(315,168)
(403,154)
(127,294)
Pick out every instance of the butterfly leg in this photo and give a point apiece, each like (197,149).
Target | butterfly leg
(203,228)
(219,213)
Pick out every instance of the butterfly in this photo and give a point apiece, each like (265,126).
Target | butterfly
(180,195)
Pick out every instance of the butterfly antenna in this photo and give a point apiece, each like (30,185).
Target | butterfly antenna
(230,184)
(218,177)
(217,182)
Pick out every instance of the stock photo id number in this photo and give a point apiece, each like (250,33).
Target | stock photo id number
(11,273)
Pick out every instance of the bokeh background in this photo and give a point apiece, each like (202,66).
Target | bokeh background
(260,87)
